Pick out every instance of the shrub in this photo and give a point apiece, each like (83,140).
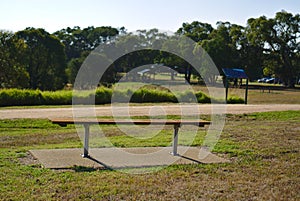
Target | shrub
(235,100)
(10,97)
(102,95)
(202,97)
(144,95)
(57,97)
(121,95)
(187,97)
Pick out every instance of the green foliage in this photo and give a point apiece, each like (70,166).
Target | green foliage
(103,95)
(57,97)
(78,40)
(196,30)
(202,97)
(12,71)
(151,95)
(44,58)
(187,96)
(73,68)
(279,39)
(34,58)
(221,46)
(23,97)
(235,100)
(11,97)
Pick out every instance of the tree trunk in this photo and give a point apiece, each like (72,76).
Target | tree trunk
(187,74)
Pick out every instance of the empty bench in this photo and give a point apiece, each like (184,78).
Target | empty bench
(88,122)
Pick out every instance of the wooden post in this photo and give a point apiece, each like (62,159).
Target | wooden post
(226,92)
(246,92)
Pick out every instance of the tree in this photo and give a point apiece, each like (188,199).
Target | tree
(222,46)
(73,45)
(74,65)
(77,40)
(12,72)
(249,56)
(279,38)
(44,59)
(80,42)
(197,31)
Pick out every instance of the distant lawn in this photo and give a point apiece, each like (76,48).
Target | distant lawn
(149,94)
(264,149)
(256,96)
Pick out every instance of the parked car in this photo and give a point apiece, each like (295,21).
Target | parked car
(274,81)
(270,80)
(263,80)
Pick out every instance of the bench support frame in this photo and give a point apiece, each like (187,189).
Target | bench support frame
(175,139)
(87,123)
(86,140)
(87,136)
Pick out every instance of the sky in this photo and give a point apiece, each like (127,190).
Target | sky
(166,15)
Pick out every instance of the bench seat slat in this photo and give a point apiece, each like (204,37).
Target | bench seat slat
(64,122)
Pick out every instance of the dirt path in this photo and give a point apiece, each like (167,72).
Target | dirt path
(142,110)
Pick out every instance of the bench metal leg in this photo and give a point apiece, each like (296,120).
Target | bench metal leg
(86,140)
(175,140)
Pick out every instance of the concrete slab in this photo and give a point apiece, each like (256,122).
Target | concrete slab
(62,158)
(119,158)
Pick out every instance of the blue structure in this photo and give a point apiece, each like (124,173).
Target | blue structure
(235,73)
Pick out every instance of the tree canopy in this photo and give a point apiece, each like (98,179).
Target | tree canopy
(44,59)
(34,58)
(279,38)
(13,73)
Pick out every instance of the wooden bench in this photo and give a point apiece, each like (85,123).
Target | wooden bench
(87,122)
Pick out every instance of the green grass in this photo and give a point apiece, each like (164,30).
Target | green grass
(32,132)
(152,138)
(256,96)
(277,116)
(263,148)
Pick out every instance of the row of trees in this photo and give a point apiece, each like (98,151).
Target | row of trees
(34,58)
(264,47)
